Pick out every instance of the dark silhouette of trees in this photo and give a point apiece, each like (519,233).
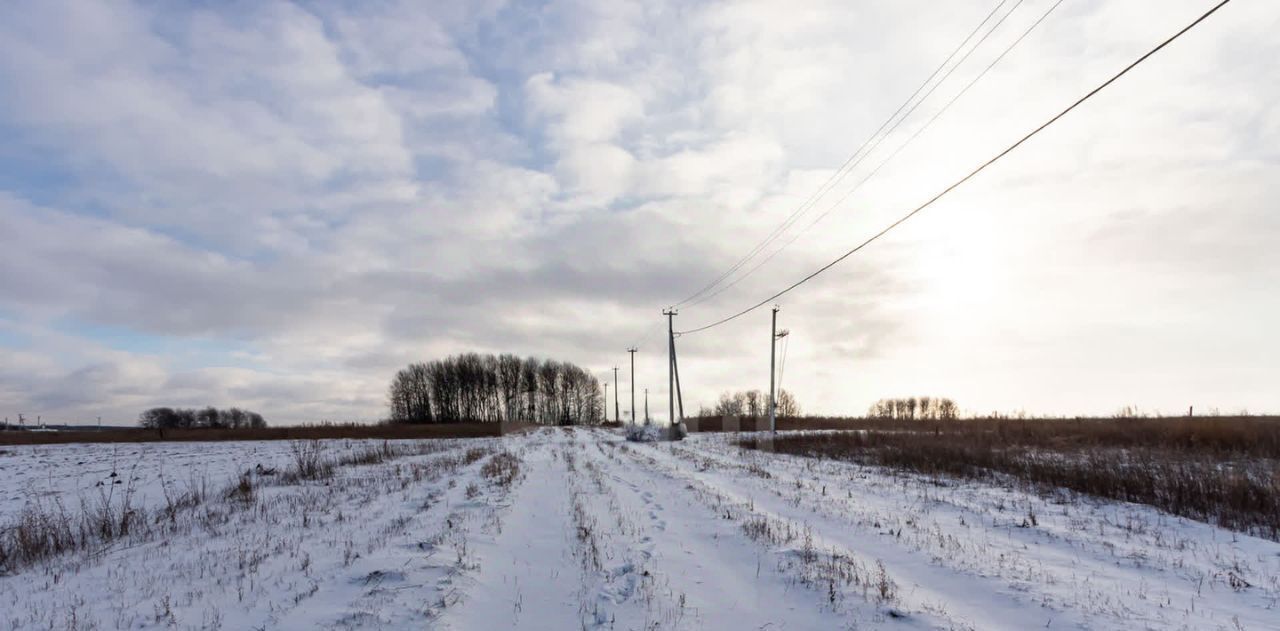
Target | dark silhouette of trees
(210,417)
(915,409)
(787,404)
(415,393)
(753,403)
(489,388)
(756,403)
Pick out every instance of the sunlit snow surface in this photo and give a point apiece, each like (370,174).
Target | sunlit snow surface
(598,532)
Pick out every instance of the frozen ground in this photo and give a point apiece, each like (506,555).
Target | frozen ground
(596,532)
(71,473)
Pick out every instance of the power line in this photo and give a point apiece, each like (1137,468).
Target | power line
(846,169)
(966,178)
(647,335)
(853,160)
(887,160)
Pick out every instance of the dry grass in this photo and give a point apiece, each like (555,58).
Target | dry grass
(48,529)
(310,461)
(1223,471)
(502,469)
(1257,435)
(307,432)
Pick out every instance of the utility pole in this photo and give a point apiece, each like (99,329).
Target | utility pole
(675,364)
(773,346)
(671,367)
(606,401)
(774,336)
(646,406)
(633,350)
(616,415)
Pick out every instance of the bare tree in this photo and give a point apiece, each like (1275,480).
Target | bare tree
(474,387)
(509,377)
(787,404)
(914,408)
(755,403)
(209,417)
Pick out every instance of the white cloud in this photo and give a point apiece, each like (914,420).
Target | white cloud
(582,110)
(287,202)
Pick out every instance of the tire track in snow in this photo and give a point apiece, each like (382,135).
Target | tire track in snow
(402,582)
(525,574)
(1065,566)
(925,590)
(727,580)
(1068,586)
(240,563)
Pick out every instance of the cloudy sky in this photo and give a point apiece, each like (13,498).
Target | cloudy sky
(276,205)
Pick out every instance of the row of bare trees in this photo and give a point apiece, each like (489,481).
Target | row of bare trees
(915,409)
(489,388)
(211,417)
(752,403)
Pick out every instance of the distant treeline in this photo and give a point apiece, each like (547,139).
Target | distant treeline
(490,388)
(210,417)
(752,403)
(915,409)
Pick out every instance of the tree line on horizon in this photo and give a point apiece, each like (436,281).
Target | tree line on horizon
(209,417)
(493,388)
(915,409)
(752,403)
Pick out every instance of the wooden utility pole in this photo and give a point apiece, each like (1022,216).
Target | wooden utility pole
(617,416)
(606,401)
(646,406)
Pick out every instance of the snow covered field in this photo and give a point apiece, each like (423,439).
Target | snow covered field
(595,532)
(75,472)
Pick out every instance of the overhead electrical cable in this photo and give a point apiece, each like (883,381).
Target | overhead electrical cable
(853,160)
(647,336)
(886,161)
(967,177)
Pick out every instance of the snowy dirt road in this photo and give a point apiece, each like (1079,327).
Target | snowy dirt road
(595,532)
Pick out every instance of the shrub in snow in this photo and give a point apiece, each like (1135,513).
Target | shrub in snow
(646,433)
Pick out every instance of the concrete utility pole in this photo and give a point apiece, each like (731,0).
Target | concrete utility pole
(675,364)
(671,367)
(617,416)
(773,346)
(633,350)
(774,336)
